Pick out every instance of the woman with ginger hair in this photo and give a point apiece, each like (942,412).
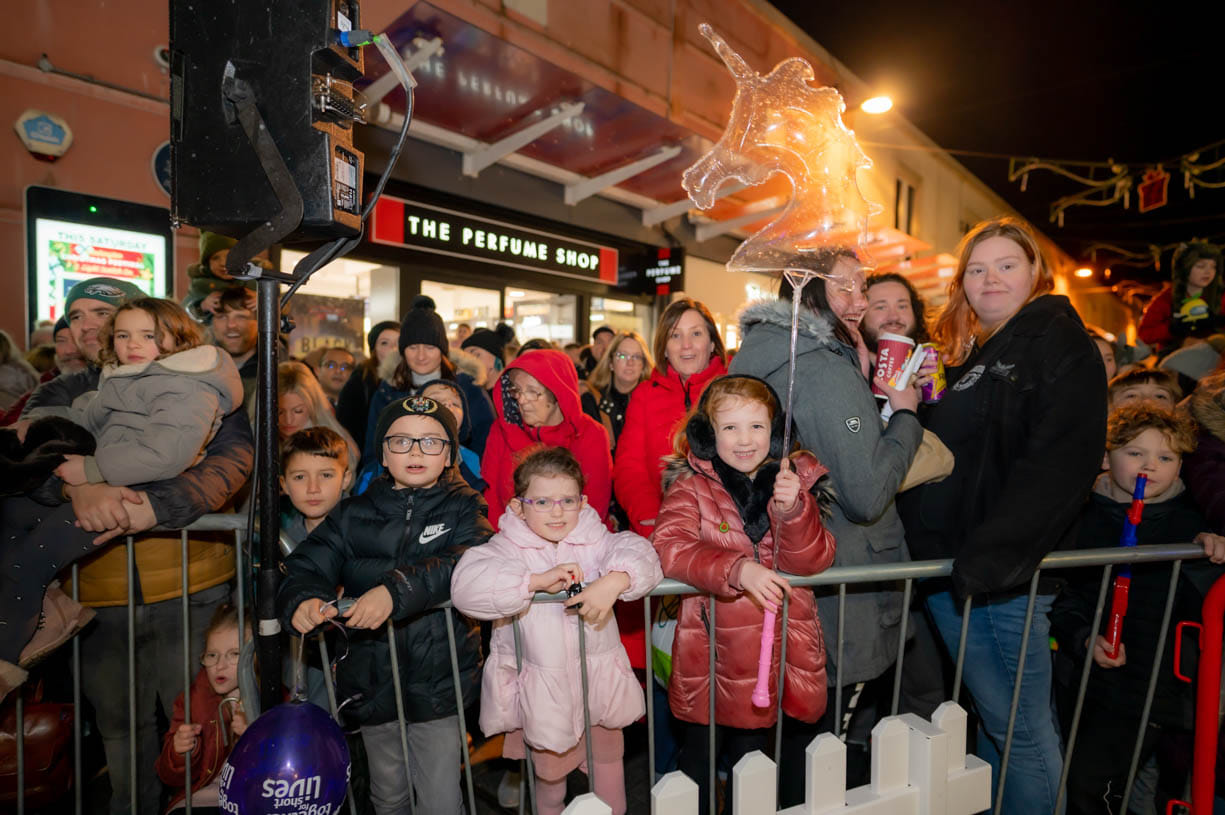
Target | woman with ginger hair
(1024,416)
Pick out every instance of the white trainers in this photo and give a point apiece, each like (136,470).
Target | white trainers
(508,790)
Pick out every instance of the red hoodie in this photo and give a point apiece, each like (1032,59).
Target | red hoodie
(579,433)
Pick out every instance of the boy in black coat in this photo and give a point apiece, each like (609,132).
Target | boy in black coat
(394,548)
(1150,440)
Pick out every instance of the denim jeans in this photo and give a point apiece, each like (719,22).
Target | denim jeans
(992,650)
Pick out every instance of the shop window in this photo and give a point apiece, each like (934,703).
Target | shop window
(476,307)
(621,315)
(339,304)
(541,314)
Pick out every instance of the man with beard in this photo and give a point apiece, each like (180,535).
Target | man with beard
(236,330)
(894,307)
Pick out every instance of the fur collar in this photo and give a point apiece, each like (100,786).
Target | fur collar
(1207,406)
(677,466)
(777,312)
(465,363)
(387,367)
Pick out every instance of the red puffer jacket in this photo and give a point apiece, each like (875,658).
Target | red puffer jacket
(700,539)
(656,410)
(579,433)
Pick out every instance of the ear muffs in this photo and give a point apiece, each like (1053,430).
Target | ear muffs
(701,433)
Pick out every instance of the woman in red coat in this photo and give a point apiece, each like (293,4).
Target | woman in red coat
(537,402)
(688,354)
(716,531)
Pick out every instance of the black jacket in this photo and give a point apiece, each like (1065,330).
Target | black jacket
(177,502)
(1025,418)
(1122,689)
(408,540)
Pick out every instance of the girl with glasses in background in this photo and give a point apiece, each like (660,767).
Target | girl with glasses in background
(216,708)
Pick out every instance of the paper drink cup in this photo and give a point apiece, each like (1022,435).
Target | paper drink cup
(891,353)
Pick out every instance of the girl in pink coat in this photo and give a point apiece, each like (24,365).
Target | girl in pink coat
(550,539)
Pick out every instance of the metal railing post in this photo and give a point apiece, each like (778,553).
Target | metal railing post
(838,660)
(782,671)
(1016,689)
(582,669)
(650,688)
(961,647)
(459,707)
(21,752)
(330,687)
(77,801)
(399,694)
(132,776)
(901,648)
(1083,686)
(527,751)
(1152,682)
(187,666)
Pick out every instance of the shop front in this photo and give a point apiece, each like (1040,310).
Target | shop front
(481,265)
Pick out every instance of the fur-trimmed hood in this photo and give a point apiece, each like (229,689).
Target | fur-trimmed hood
(208,364)
(814,332)
(1207,405)
(464,363)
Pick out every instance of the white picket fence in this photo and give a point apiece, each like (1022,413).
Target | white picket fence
(918,768)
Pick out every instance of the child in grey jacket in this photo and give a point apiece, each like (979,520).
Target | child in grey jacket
(161,397)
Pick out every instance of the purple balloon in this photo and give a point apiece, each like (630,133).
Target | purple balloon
(292,759)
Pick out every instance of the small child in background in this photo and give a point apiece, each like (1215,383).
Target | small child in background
(1153,385)
(393,548)
(217,718)
(314,475)
(548,540)
(729,483)
(209,278)
(1140,438)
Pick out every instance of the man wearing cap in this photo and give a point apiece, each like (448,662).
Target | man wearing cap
(104,512)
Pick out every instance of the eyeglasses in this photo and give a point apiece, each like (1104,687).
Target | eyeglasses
(332,365)
(524,394)
(621,357)
(212,658)
(570,503)
(430,445)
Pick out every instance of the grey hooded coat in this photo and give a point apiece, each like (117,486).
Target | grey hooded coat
(838,419)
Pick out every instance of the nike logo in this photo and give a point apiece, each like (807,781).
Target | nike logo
(431,532)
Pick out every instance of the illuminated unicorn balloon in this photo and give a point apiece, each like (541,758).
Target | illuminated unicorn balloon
(781,124)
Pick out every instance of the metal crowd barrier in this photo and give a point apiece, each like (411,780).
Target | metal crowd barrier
(840,577)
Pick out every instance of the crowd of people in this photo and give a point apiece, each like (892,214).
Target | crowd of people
(426,468)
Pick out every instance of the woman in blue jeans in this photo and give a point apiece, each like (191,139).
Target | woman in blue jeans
(1024,416)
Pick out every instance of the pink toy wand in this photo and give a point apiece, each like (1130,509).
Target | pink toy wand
(761,691)
(1122,578)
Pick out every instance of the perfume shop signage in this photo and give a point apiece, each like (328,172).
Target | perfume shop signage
(430,228)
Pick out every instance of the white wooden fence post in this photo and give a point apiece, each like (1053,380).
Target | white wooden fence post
(674,794)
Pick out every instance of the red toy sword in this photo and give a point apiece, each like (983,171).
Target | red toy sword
(1122,578)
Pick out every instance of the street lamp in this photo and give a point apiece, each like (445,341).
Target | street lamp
(876,104)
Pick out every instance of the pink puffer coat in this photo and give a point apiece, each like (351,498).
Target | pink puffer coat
(545,698)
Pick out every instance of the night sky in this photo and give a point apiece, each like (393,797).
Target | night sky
(1139,83)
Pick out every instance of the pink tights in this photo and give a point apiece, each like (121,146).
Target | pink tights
(609,787)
